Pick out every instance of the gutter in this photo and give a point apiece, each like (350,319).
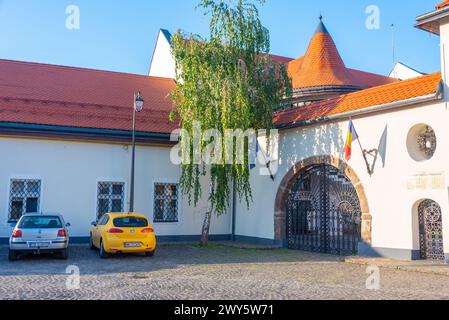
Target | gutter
(82,133)
(431,17)
(321,89)
(383,107)
(432,14)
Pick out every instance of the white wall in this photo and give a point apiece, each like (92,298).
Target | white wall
(403,72)
(70,171)
(162,64)
(391,202)
(444,49)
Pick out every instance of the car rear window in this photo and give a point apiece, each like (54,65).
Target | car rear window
(130,222)
(41,222)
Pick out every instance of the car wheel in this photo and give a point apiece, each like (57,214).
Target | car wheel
(91,241)
(103,253)
(12,255)
(64,254)
(150,253)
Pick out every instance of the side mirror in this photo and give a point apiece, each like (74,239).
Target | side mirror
(68,225)
(94,224)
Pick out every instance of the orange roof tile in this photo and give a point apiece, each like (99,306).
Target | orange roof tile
(322,66)
(380,95)
(442,5)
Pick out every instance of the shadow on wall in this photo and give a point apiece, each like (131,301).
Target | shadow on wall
(366,250)
(381,151)
(299,144)
(328,139)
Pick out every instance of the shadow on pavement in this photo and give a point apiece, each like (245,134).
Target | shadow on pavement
(168,256)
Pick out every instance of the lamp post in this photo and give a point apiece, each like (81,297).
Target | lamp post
(138,106)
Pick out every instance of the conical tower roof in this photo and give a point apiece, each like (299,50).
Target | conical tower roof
(322,65)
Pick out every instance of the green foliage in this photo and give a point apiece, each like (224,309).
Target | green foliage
(227,81)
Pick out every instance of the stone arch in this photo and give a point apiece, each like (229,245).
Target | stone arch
(280,215)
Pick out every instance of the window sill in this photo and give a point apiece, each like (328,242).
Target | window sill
(165,222)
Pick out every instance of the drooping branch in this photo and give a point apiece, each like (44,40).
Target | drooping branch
(225,82)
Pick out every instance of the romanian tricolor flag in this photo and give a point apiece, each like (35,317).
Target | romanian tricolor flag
(352,136)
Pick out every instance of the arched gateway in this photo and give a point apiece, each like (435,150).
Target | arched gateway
(321,207)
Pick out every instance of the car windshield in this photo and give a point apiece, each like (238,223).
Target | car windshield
(130,222)
(40,222)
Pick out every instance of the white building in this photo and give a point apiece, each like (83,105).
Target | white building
(403,72)
(65,144)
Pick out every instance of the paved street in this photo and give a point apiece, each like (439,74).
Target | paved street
(190,272)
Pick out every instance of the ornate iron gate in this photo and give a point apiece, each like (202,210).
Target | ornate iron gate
(324,212)
(431,231)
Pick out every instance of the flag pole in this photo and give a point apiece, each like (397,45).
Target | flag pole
(267,163)
(364,154)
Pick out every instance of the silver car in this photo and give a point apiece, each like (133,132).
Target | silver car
(37,233)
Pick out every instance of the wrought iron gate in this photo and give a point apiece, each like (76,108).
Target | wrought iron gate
(324,212)
(431,231)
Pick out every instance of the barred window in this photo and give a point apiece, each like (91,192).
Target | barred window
(110,198)
(165,202)
(24,197)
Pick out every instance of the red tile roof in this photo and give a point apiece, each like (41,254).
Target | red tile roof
(380,95)
(366,80)
(280,59)
(33,93)
(322,66)
(442,5)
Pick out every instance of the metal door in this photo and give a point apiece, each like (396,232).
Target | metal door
(324,212)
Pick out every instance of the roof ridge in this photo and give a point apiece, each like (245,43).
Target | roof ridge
(401,82)
(80,68)
(62,102)
(365,91)
(386,94)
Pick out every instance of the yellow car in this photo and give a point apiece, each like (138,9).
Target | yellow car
(123,233)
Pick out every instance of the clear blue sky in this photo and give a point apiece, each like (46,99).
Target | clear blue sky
(120,35)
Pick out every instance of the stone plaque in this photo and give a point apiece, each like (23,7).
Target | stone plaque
(426,181)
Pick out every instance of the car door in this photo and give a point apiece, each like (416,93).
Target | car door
(95,236)
(100,229)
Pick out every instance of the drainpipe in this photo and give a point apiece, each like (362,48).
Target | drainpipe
(234,208)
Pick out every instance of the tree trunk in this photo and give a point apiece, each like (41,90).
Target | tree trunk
(206,228)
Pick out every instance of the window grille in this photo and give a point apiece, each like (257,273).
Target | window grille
(24,197)
(165,202)
(110,198)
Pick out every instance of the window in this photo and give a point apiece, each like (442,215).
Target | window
(111,197)
(421,142)
(103,220)
(165,202)
(40,222)
(24,197)
(130,222)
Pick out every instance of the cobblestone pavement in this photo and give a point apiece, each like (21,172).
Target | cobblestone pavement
(220,273)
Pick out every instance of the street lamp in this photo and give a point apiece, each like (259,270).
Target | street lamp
(138,106)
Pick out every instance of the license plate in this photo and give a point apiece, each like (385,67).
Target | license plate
(39,244)
(132,245)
